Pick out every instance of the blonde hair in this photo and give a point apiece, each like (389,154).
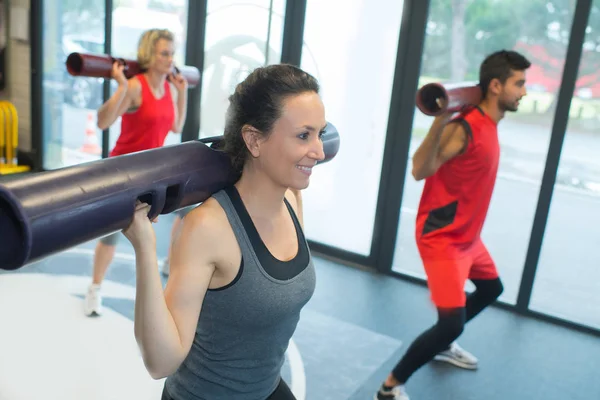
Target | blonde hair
(147,45)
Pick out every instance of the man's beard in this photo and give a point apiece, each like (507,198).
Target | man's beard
(509,106)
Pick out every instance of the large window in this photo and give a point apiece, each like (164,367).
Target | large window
(69,132)
(129,21)
(240,36)
(566,283)
(459,36)
(351,48)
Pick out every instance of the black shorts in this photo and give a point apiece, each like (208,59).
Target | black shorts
(282,392)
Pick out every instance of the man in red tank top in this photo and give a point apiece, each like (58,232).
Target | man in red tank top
(459,160)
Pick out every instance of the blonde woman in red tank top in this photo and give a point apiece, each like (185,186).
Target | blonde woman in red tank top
(150,105)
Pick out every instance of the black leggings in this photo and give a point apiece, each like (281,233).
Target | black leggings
(450,325)
(282,392)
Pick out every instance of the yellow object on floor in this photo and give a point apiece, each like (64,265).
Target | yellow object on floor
(13,169)
(9,140)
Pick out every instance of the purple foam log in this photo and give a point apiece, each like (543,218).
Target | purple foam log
(47,212)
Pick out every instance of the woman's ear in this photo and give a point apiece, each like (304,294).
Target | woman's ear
(252,139)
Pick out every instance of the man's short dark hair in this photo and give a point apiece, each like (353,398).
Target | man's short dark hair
(500,65)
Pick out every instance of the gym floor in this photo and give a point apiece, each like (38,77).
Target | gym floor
(351,334)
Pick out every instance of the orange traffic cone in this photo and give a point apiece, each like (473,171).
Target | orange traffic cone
(91,145)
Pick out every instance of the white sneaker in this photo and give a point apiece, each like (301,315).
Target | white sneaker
(93,301)
(458,356)
(397,393)
(165,267)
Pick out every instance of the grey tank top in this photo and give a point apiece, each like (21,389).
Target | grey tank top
(245,327)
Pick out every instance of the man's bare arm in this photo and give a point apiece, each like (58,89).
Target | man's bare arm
(443,142)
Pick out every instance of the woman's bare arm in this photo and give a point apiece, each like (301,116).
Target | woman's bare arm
(165,322)
(121,100)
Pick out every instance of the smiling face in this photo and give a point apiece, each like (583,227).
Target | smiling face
(294,146)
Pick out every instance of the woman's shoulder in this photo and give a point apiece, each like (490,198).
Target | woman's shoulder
(207,229)
(134,84)
(294,198)
(208,215)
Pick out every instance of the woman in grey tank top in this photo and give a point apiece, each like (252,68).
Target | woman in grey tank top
(241,270)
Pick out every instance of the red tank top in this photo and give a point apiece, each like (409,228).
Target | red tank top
(455,200)
(148,126)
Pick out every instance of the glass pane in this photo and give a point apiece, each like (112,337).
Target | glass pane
(129,21)
(70,133)
(233,48)
(566,283)
(459,36)
(350,47)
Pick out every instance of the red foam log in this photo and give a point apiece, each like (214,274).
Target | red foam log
(457,97)
(100,66)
